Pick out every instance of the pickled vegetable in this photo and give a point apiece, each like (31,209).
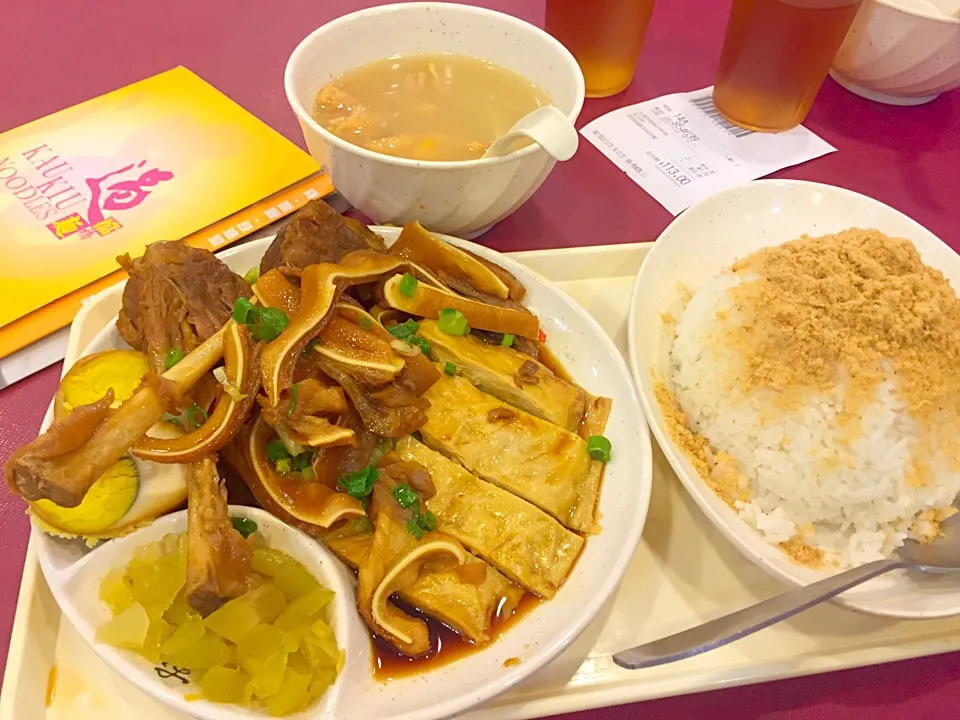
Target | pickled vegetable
(223,685)
(272,649)
(290,576)
(126,630)
(234,619)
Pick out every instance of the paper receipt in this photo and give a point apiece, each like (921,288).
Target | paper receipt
(680,149)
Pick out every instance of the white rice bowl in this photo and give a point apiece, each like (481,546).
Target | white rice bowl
(692,252)
(854,511)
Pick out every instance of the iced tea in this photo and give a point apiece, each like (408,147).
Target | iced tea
(605,36)
(775,57)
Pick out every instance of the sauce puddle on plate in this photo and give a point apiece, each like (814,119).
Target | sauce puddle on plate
(446,645)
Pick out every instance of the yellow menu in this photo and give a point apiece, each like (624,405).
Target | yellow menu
(160,159)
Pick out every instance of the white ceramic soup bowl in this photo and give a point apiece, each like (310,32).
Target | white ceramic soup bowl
(461,198)
(901,52)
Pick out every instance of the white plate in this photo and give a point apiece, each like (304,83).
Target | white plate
(694,249)
(592,358)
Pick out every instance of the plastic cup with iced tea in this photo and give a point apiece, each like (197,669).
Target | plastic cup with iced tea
(605,36)
(775,57)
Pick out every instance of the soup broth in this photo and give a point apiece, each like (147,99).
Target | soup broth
(427,106)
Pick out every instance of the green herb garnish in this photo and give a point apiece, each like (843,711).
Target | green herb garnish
(408,284)
(303,460)
(252,275)
(428,521)
(365,324)
(293,398)
(362,525)
(599,448)
(196,415)
(360,484)
(449,368)
(245,526)
(284,465)
(414,529)
(174,355)
(405,496)
(242,310)
(422,343)
(312,345)
(272,322)
(404,330)
(507,340)
(276,450)
(452,322)
(308,474)
(265,323)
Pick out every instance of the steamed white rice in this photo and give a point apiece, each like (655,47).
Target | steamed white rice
(846,494)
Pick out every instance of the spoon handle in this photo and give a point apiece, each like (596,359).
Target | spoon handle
(741,623)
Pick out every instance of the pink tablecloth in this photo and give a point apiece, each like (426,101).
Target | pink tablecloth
(55,54)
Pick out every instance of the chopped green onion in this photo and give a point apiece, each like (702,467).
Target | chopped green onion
(362,525)
(293,398)
(276,450)
(405,496)
(308,474)
(303,460)
(383,446)
(408,285)
(428,521)
(420,342)
(284,465)
(174,355)
(273,321)
(360,484)
(453,322)
(599,448)
(245,526)
(414,529)
(252,275)
(365,323)
(196,415)
(449,368)
(405,330)
(507,340)
(242,309)
(312,344)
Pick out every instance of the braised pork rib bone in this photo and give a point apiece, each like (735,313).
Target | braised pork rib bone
(65,478)
(219,559)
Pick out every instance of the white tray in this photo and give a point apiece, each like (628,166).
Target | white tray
(683,573)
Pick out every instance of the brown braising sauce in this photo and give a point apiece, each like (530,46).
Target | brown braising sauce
(446,645)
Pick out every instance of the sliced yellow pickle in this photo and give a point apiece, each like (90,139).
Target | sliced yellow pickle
(272,649)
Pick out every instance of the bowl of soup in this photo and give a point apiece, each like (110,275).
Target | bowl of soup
(399,103)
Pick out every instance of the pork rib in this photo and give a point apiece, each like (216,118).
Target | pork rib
(218,558)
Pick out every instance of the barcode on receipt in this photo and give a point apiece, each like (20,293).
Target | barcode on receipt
(704,104)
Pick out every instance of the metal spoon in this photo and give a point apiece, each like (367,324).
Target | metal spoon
(547,126)
(941,556)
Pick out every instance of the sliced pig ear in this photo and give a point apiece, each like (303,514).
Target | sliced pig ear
(321,286)
(315,503)
(242,377)
(391,565)
(421,247)
(426,301)
(273,289)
